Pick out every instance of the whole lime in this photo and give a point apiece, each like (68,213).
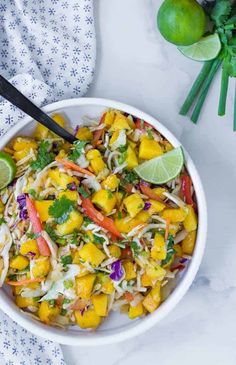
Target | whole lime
(181,22)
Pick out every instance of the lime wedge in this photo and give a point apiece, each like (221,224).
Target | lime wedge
(162,169)
(7,169)
(206,49)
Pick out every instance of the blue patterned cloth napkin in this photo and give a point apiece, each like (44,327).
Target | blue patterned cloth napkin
(48,51)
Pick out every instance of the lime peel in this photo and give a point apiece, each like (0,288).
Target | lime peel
(162,169)
(206,49)
(7,169)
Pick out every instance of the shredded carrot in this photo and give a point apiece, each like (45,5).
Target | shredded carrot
(99,142)
(71,165)
(167,228)
(128,296)
(24,282)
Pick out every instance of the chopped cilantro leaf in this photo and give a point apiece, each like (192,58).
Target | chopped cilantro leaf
(130,177)
(66,260)
(44,158)
(119,215)
(78,148)
(50,231)
(33,236)
(61,209)
(122,149)
(83,192)
(12,277)
(87,221)
(97,239)
(170,250)
(52,302)
(66,301)
(149,133)
(63,312)
(136,249)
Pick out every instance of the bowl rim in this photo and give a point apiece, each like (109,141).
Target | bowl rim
(146,323)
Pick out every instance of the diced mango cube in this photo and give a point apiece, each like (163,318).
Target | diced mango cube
(23,302)
(130,272)
(109,117)
(19,155)
(190,222)
(175,215)
(100,303)
(134,204)
(47,313)
(155,271)
(90,253)
(153,299)
(59,119)
(84,134)
(111,182)
(29,246)
(84,285)
(188,243)
(158,251)
(115,251)
(19,262)
(107,285)
(159,192)
(41,267)
(73,223)
(105,200)
(149,148)
(131,158)
(146,280)
(71,195)
(23,143)
(156,207)
(89,319)
(119,123)
(61,179)
(136,311)
(42,207)
(96,162)
(124,226)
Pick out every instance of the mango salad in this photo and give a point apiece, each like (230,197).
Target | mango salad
(81,234)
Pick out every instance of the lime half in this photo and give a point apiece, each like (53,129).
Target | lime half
(7,169)
(206,49)
(162,169)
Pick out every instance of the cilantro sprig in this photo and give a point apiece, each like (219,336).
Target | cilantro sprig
(44,157)
(61,209)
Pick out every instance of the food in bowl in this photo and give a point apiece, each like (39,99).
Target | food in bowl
(106,224)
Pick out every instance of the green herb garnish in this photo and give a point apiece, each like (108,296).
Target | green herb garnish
(63,312)
(83,192)
(77,150)
(51,232)
(135,248)
(44,158)
(98,240)
(223,16)
(66,260)
(68,284)
(2,221)
(61,209)
(170,250)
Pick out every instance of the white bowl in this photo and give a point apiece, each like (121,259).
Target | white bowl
(117,327)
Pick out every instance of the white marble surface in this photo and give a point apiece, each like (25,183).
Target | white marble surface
(136,66)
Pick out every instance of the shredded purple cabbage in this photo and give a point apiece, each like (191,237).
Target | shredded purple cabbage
(31,254)
(118,271)
(21,200)
(183,260)
(145,183)
(72,186)
(147,205)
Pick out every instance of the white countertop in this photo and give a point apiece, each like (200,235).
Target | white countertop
(136,66)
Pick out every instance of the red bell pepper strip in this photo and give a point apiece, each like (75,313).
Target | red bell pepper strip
(98,133)
(71,165)
(98,218)
(126,253)
(186,185)
(146,190)
(138,124)
(37,227)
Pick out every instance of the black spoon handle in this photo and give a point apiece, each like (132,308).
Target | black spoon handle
(9,92)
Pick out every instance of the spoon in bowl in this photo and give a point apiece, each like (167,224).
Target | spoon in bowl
(15,97)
